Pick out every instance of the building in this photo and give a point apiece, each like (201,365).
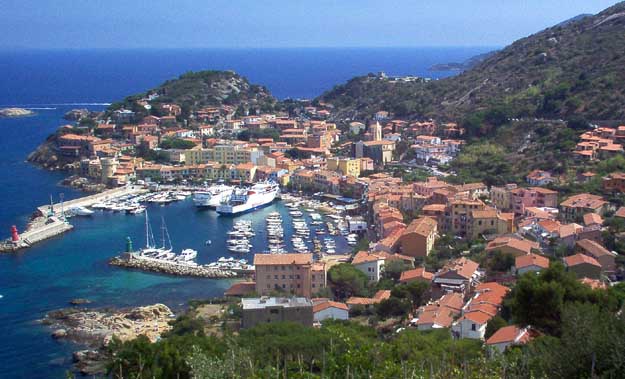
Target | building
(489,221)
(575,207)
(605,257)
(371,264)
(327,309)
(368,302)
(523,198)
(380,152)
(513,245)
(615,182)
(417,274)
(530,263)
(509,336)
(418,238)
(476,313)
(539,178)
(346,166)
(438,314)
(266,310)
(459,275)
(501,197)
(290,273)
(583,266)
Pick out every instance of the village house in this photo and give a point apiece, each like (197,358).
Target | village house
(481,307)
(514,245)
(416,274)
(458,275)
(325,309)
(576,206)
(371,264)
(418,238)
(530,263)
(510,335)
(583,266)
(290,273)
(368,302)
(595,250)
(614,183)
(539,178)
(438,314)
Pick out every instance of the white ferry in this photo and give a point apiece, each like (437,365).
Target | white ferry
(212,196)
(248,199)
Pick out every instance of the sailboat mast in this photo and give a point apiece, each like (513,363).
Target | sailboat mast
(163,231)
(147,230)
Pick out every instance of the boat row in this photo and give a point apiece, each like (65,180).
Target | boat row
(134,204)
(232,264)
(275,234)
(230,200)
(239,237)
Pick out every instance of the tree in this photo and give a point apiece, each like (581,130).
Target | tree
(494,324)
(394,268)
(392,307)
(346,281)
(500,262)
(416,292)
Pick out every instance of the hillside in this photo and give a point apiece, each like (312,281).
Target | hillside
(574,68)
(194,90)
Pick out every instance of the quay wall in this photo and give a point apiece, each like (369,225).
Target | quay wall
(95,198)
(171,268)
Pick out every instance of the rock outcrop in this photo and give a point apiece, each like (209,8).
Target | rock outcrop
(15,112)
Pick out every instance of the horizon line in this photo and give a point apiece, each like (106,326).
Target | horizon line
(9,48)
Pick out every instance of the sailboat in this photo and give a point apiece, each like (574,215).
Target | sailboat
(151,250)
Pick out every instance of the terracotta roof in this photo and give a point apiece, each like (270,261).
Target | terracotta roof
(551,226)
(620,212)
(423,226)
(593,248)
(584,200)
(417,273)
(436,208)
(593,283)
(282,259)
(531,260)
(365,257)
(569,230)
(462,266)
(441,316)
(520,244)
(452,300)
(578,259)
(318,307)
(361,301)
(511,334)
(382,295)
(592,219)
(241,289)
(477,317)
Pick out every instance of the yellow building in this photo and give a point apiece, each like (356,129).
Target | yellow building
(347,166)
(225,154)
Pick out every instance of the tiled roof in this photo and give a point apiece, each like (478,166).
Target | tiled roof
(365,257)
(578,259)
(282,259)
(417,273)
(511,334)
(318,307)
(593,248)
(423,226)
(531,260)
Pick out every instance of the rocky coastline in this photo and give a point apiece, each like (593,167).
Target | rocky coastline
(15,112)
(95,328)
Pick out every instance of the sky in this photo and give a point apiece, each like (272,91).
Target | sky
(278,23)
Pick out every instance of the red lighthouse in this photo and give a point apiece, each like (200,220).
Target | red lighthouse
(15,237)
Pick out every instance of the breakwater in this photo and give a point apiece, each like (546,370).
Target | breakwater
(130,260)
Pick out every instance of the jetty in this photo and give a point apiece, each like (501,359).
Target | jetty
(134,261)
(49,220)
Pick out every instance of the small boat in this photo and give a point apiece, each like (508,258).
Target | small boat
(208,242)
(80,211)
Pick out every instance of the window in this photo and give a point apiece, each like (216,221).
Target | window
(268,286)
(313,277)
(283,276)
(298,276)
(473,327)
(313,285)
(284,286)
(275,277)
(298,286)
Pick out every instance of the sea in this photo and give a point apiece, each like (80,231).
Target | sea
(48,275)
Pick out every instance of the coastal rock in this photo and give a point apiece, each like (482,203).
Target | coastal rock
(80,301)
(59,333)
(76,114)
(15,112)
(90,362)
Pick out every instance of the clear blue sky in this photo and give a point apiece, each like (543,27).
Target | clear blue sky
(279,23)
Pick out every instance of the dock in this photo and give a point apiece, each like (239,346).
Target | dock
(132,261)
(49,220)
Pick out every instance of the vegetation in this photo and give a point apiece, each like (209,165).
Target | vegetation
(571,69)
(249,134)
(346,280)
(176,143)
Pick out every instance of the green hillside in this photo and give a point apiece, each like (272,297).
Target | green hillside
(574,68)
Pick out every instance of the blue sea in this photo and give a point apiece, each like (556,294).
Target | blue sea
(50,274)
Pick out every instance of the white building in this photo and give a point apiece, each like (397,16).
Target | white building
(330,310)
(370,264)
